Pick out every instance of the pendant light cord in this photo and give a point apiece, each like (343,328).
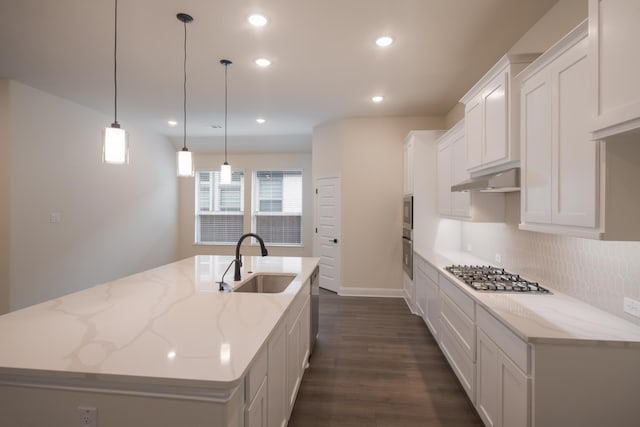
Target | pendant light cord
(184,89)
(115,65)
(225,112)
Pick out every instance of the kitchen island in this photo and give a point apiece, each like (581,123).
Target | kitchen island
(163,347)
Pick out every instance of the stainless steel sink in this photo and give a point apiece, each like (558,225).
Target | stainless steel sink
(267,283)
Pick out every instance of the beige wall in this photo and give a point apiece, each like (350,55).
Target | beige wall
(367,154)
(115,220)
(554,25)
(5,194)
(247,163)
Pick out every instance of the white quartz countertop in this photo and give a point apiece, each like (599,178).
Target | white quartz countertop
(540,318)
(166,324)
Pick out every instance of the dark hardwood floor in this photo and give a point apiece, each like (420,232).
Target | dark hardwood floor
(377,365)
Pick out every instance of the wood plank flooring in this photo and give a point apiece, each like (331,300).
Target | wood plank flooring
(377,365)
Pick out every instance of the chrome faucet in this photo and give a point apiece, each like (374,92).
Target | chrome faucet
(238,260)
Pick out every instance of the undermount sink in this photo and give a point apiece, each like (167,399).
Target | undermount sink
(267,283)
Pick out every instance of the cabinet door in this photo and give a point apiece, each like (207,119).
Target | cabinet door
(305,329)
(432,314)
(487,380)
(460,201)
(408,166)
(293,363)
(513,394)
(575,156)
(536,149)
(276,378)
(256,412)
(420,280)
(474,131)
(444,179)
(614,33)
(496,141)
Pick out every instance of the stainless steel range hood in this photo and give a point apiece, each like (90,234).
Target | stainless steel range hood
(500,182)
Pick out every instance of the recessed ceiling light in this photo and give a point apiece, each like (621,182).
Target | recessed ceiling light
(172,123)
(257,20)
(260,120)
(384,41)
(263,62)
(377,98)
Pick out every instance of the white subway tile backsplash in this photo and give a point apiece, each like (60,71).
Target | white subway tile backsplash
(599,273)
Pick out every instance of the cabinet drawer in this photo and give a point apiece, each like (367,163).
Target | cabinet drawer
(462,300)
(461,326)
(510,344)
(256,375)
(459,360)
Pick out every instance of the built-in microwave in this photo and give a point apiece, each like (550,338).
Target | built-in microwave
(407,212)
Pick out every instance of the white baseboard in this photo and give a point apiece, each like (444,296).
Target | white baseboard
(371,292)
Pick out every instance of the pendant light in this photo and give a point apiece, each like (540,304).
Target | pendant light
(225,169)
(115,144)
(184,157)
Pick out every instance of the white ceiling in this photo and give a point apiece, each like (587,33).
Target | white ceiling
(325,62)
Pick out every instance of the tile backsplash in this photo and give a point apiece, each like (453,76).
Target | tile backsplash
(599,273)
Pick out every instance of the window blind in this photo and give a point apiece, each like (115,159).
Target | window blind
(219,208)
(277,207)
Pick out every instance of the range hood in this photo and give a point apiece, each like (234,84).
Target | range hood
(500,182)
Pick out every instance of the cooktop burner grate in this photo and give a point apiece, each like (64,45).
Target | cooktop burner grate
(494,279)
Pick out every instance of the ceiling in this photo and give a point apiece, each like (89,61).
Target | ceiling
(325,63)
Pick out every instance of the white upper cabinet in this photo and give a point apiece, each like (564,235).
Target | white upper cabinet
(559,162)
(571,185)
(614,33)
(408,163)
(492,117)
(451,170)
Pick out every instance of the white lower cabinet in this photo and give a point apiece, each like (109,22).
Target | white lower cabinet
(276,375)
(256,412)
(457,333)
(409,290)
(297,347)
(272,384)
(502,389)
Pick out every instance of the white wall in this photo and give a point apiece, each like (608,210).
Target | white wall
(367,154)
(247,163)
(115,220)
(5,194)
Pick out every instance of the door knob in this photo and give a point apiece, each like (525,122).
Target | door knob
(334,240)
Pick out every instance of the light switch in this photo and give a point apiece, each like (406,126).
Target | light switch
(54,217)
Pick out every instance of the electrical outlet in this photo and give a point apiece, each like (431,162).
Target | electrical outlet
(88,416)
(469,247)
(54,217)
(632,307)
(498,258)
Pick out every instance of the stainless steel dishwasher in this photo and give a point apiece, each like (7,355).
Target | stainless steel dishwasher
(315,304)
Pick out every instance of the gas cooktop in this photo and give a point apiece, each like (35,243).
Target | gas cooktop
(494,279)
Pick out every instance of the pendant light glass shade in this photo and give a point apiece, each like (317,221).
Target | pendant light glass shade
(185,163)
(115,145)
(225,173)
(115,141)
(184,157)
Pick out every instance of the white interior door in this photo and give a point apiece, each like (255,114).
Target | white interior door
(327,236)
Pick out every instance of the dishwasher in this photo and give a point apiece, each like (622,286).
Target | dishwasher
(315,305)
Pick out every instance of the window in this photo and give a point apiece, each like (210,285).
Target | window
(219,208)
(277,207)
